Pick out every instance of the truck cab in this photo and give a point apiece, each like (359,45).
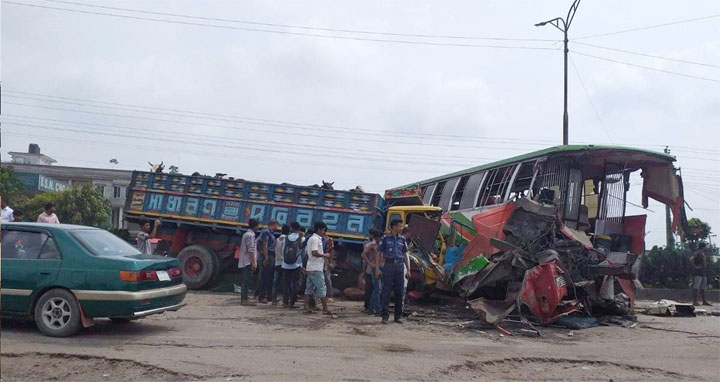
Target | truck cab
(427,244)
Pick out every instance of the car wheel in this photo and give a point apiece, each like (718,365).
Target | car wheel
(200,266)
(57,313)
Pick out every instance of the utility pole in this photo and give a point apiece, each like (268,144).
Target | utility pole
(669,238)
(564,25)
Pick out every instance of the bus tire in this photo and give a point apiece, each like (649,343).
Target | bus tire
(200,266)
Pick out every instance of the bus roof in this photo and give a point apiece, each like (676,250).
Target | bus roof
(566,149)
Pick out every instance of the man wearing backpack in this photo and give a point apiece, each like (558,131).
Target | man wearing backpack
(292,261)
(279,253)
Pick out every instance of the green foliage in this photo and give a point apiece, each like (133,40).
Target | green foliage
(77,205)
(666,268)
(34,206)
(698,230)
(10,184)
(670,268)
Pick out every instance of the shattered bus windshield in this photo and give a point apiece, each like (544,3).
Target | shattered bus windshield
(549,229)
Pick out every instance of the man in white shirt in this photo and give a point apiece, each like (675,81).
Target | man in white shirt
(315,276)
(7,212)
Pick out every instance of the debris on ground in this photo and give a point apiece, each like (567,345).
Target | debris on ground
(670,308)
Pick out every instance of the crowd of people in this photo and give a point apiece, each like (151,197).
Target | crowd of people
(10,215)
(303,257)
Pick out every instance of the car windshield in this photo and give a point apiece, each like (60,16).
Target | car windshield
(103,243)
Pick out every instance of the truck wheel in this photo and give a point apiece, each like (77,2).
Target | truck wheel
(200,266)
(57,313)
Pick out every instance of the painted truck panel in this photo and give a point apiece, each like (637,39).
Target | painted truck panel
(231,203)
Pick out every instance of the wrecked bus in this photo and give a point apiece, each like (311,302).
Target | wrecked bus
(203,219)
(547,230)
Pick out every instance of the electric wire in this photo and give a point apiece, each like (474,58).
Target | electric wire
(646,67)
(232,118)
(354,139)
(218,144)
(590,99)
(647,55)
(648,27)
(408,42)
(301,26)
(154,130)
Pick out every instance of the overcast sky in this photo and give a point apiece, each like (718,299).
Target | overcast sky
(297,108)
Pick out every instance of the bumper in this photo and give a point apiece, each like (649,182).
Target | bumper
(102,295)
(146,313)
(131,304)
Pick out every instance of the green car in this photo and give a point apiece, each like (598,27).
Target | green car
(63,276)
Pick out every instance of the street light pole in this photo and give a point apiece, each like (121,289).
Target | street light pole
(564,25)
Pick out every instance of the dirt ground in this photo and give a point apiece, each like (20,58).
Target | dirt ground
(214,339)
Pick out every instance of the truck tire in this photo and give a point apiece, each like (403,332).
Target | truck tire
(57,313)
(200,266)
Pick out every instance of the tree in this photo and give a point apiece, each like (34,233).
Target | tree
(10,184)
(666,267)
(78,205)
(698,230)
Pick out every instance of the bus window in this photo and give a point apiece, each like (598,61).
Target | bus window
(459,191)
(448,191)
(435,201)
(427,194)
(521,185)
(472,189)
(496,185)
(574,198)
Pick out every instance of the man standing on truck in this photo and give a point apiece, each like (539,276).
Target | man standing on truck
(143,237)
(266,246)
(246,254)
(393,248)
(292,261)
(315,279)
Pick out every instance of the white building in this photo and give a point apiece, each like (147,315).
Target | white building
(112,184)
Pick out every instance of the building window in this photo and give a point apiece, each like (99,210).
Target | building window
(117,192)
(100,190)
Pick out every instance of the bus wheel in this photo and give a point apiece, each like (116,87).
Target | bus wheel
(200,266)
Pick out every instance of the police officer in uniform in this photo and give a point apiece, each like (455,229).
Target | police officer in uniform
(394,250)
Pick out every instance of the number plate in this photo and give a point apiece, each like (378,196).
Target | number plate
(163,275)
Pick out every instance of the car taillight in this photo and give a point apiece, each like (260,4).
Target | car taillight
(175,272)
(138,276)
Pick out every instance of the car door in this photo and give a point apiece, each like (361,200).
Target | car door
(30,261)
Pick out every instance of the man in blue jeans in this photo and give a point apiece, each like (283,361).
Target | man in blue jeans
(393,248)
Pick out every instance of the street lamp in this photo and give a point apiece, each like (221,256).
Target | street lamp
(564,25)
